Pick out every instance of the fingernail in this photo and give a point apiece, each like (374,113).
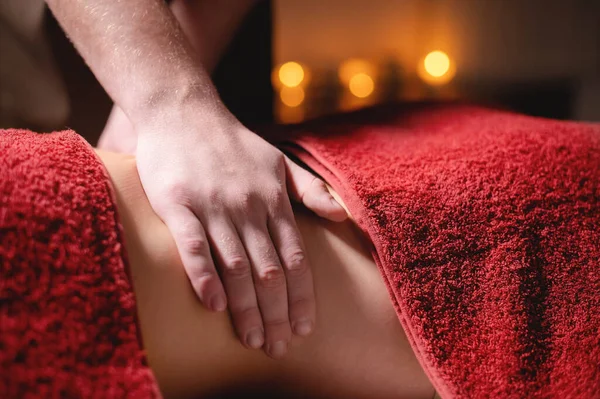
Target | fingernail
(218,303)
(254,338)
(277,349)
(303,327)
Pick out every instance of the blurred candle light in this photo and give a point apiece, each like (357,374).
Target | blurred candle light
(436,68)
(437,63)
(352,67)
(292,96)
(361,85)
(291,74)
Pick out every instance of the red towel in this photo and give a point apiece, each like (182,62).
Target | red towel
(67,309)
(486,229)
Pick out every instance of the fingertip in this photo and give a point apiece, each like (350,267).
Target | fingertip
(255,338)
(338,217)
(303,328)
(218,303)
(333,210)
(210,292)
(338,213)
(277,350)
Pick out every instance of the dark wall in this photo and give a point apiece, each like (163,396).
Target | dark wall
(243,77)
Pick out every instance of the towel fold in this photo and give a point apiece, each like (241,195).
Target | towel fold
(67,309)
(486,228)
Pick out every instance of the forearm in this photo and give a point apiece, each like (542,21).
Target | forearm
(210,25)
(137,51)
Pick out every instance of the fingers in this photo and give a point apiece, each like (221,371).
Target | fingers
(261,292)
(311,191)
(236,273)
(270,285)
(300,288)
(194,250)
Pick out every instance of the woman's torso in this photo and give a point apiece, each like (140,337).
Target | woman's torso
(357,350)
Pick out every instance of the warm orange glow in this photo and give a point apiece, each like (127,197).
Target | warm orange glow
(437,63)
(352,67)
(291,74)
(291,96)
(361,85)
(436,68)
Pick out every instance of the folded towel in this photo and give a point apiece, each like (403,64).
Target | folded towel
(67,310)
(486,228)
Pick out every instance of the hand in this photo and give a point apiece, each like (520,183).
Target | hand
(221,189)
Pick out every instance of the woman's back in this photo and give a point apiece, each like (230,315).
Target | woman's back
(358,348)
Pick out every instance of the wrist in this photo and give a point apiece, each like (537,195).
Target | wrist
(187,109)
(172,100)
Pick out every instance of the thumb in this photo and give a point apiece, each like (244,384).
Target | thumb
(308,189)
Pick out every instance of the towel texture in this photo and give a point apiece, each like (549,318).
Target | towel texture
(485,226)
(67,309)
(486,229)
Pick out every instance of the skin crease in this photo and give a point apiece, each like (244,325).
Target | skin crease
(358,349)
(223,191)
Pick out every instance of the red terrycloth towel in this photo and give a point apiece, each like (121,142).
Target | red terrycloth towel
(67,309)
(486,229)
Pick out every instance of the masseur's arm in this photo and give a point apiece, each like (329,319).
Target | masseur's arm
(216,185)
(209,26)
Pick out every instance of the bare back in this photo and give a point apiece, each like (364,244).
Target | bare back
(358,348)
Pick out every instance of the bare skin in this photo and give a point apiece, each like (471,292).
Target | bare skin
(223,191)
(358,348)
(209,26)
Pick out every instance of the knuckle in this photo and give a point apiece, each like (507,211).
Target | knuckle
(276,196)
(318,183)
(271,277)
(203,277)
(194,245)
(236,266)
(179,193)
(213,196)
(295,263)
(245,201)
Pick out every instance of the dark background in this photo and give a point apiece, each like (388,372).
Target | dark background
(540,57)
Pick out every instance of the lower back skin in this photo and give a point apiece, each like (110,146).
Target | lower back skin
(358,348)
